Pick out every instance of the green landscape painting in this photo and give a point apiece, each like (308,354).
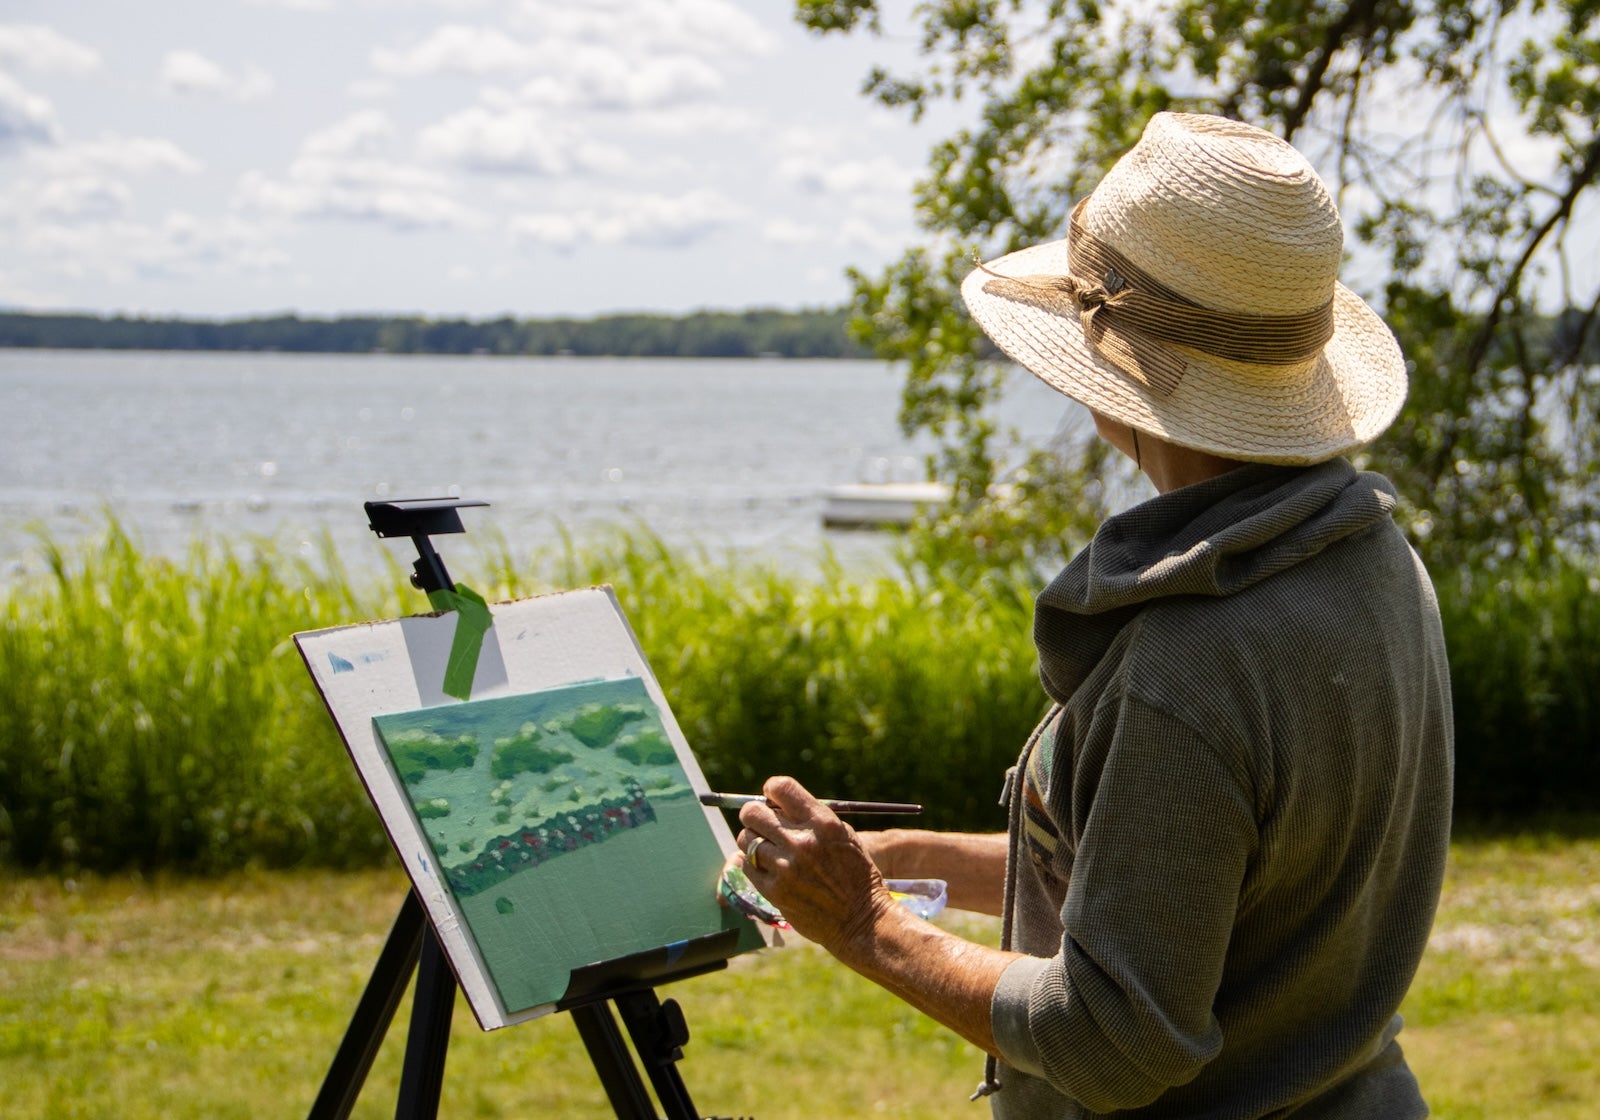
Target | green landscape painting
(565,827)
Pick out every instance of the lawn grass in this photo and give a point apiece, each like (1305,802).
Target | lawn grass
(1503,1018)
(133,998)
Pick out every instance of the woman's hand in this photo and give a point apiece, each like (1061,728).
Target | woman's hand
(813,867)
(879,844)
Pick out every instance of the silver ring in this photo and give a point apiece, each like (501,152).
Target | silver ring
(750,853)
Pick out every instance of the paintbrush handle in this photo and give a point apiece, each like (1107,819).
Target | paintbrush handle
(737,800)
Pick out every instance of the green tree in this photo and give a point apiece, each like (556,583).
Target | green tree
(521,753)
(1460,137)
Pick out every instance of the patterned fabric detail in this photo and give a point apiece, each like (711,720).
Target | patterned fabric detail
(1042,836)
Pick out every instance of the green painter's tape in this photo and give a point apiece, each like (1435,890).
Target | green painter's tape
(472,623)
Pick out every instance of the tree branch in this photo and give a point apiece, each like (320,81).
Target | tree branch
(1580,335)
(1356,15)
(1580,182)
(1484,337)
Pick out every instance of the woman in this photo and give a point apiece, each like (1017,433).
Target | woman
(1227,836)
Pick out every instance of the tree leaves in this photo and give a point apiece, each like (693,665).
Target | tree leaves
(1459,135)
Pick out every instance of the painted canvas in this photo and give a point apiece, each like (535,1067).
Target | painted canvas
(550,821)
(556,818)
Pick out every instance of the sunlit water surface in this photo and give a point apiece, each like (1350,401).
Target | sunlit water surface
(725,455)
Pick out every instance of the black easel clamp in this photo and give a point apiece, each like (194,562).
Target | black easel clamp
(659,1033)
(419,519)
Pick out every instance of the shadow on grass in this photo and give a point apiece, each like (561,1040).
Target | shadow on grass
(1538,829)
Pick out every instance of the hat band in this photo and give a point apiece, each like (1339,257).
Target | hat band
(1131,318)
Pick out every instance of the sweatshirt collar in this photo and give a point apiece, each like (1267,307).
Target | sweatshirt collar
(1214,538)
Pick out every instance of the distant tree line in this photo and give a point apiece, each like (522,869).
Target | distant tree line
(701,334)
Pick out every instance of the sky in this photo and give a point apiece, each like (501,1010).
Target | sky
(537,158)
(219,158)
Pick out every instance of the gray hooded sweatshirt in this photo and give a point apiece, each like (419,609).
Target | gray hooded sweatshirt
(1228,836)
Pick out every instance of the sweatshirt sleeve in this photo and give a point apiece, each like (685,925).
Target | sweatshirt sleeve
(1124,1011)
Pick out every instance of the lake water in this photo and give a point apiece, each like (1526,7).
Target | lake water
(731,455)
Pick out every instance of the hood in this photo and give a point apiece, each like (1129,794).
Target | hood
(1214,538)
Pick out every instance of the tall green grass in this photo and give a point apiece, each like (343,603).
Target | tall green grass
(1525,668)
(154,712)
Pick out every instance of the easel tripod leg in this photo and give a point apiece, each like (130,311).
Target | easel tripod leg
(422,1077)
(612,1062)
(369,1023)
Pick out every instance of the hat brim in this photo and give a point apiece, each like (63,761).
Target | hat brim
(1303,414)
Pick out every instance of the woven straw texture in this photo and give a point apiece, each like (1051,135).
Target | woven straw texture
(1234,219)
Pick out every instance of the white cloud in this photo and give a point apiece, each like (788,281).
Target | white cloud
(857,235)
(395,195)
(708,27)
(812,164)
(45,50)
(604,78)
(294,5)
(785,231)
(25,118)
(694,121)
(442,5)
(873,238)
(179,245)
(188,72)
(653,220)
(67,213)
(617,55)
(846,177)
(132,155)
(365,132)
(516,140)
(456,49)
(84,182)
(870,197)
(83,198)
(342,173)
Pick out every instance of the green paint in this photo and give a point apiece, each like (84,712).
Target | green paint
(595,725)
(521,753)
(472,623)
(591,866)
(434,808)
(648,748)
(417,752)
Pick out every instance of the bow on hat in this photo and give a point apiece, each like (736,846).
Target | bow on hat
(1132,320)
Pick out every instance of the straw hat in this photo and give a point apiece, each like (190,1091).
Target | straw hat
(1201,302)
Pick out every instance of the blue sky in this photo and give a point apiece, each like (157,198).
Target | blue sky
(448,157)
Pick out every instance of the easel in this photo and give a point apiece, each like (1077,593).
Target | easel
(657,1028)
